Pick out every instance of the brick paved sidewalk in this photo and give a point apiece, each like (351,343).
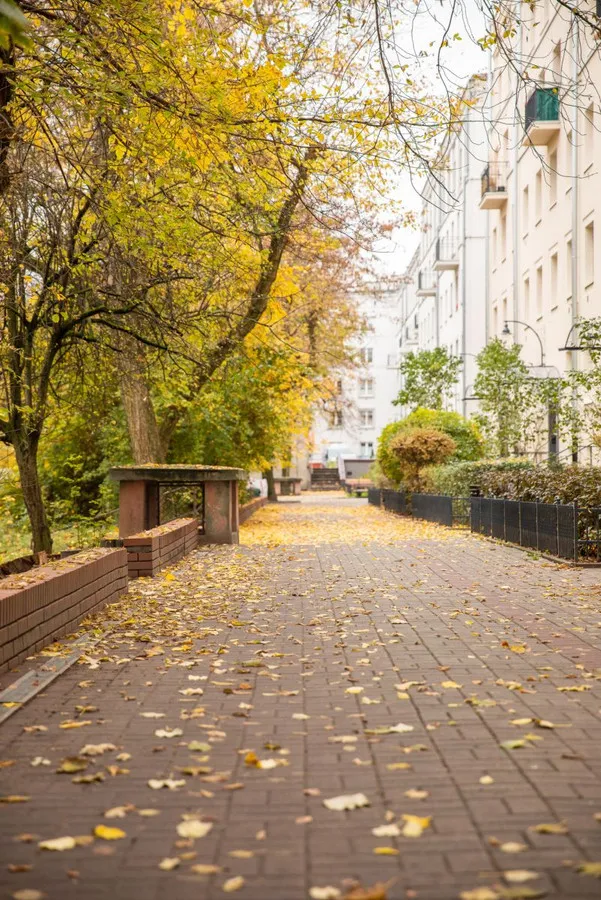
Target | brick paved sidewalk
(331,623)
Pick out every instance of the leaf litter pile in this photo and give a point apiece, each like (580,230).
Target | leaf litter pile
(347,705)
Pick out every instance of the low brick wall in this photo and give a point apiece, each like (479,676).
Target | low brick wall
(46,603)
(249,508)
(151,550)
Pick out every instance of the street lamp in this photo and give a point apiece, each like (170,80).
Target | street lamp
(506,331)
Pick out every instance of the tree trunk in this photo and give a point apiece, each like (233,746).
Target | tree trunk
(145,441)
(26,454)
(271,494)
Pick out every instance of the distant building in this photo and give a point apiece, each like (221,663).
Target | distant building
(443,300)
(349,424)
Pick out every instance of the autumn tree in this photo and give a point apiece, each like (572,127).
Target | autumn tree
(429,377)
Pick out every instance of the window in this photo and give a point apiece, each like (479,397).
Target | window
(589,254)
(589,135)
(526,298)
(503,236)
(366,417)
(494,247)
(538,196)
(336,420)
(553,179)
(367,354)
(569,263)
(554,300)
(339,386)
(525,210)
(366,387)
(539,291)
(367,449)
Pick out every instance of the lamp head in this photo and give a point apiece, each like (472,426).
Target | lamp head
(506,329)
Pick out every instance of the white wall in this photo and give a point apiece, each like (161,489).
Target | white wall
(353,438)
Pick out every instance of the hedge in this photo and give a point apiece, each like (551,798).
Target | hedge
(519,479)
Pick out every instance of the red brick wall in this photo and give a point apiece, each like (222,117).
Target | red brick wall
(151,550)
(249,508)
(48,602)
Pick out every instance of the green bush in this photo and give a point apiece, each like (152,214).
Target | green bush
(465,434)
(547,484)
(518,479)
(457,478)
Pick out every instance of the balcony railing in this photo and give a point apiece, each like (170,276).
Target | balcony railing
(541,117)
(445,249)
(426,282)
(493,187)
(493,179)
(446,255)
(542,106)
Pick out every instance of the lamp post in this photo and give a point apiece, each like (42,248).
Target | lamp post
(506,331)
(551,412)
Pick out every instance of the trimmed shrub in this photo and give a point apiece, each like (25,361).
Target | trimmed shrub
(417,448)
(465,434)
(457,478)
(516,479)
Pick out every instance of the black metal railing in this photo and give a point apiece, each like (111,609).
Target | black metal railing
(446,249)
(374,496)
(493,179)
(542,106)
(395,501)
(560,529)
(426,281)
(564,530)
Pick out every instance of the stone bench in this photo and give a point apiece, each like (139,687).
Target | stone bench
(139,498)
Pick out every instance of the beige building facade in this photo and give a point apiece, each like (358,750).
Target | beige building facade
(541,189)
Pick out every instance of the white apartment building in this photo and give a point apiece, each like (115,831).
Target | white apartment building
(443,298)
(542,193)
(348,425)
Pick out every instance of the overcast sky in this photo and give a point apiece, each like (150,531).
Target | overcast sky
(460,60)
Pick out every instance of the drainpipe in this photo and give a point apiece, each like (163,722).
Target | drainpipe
(464,273)
(516,201)
(575,228)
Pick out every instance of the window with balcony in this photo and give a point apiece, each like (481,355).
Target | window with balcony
(366,387)
(367,449)
(541,116)
(366,418)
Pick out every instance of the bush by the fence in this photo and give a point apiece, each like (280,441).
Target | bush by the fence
(458,478)
(464,432)
(518,479)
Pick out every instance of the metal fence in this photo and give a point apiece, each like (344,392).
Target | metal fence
(563,530)
(560,529)
(433,507)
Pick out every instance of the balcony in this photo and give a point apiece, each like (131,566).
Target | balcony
(493,190)
(426,284)
(446,255)
(541,118)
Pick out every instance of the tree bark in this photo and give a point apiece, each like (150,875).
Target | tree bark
(142,427)
(26,454)
(271,494)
